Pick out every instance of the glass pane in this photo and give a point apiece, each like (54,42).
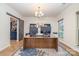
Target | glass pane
(60,29)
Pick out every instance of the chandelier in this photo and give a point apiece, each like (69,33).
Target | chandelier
(39,13)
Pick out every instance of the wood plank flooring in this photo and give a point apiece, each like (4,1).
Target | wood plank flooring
(69,49)
(15,45)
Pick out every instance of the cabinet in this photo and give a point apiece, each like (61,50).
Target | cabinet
(40,42)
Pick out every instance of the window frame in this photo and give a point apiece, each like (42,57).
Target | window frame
(61,28)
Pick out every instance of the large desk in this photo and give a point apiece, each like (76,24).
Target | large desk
(40,42)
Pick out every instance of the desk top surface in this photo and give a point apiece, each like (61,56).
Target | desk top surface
(39,36)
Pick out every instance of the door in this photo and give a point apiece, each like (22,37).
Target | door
(21,29)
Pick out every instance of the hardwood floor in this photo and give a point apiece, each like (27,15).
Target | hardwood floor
(15,45)
(68,48)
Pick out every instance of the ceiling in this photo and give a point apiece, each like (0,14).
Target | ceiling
(28,9)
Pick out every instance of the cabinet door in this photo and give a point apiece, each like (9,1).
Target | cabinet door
(32,42)
(45,43)
(13,35)
(28,43)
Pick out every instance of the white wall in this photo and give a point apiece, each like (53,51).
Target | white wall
(5,25)
(43,20)
(70,24)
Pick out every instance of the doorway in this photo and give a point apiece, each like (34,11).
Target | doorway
(16,29)
(13,28)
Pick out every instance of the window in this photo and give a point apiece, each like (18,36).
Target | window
(60,28)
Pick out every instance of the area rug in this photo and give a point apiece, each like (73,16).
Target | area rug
(42,52)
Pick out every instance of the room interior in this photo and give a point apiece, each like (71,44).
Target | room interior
(43,29)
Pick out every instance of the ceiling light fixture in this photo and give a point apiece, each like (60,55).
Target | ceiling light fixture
(39,13)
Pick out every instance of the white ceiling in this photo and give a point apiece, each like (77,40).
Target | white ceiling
(28,9)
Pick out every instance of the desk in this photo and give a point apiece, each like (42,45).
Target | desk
(40,42)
